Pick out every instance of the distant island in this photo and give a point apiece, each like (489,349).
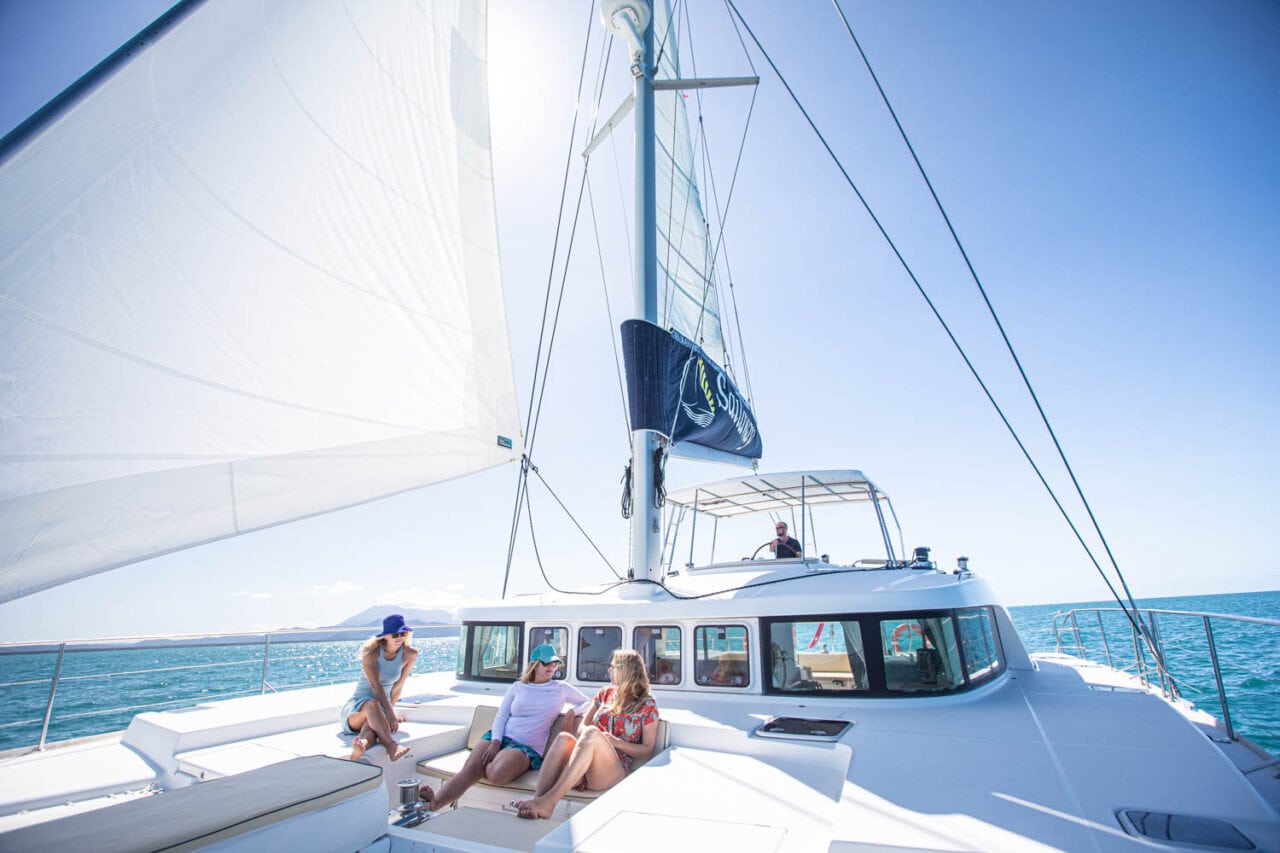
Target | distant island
(366,623)
(417,619)
(425,623)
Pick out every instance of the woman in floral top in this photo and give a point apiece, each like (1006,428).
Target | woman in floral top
(620,726)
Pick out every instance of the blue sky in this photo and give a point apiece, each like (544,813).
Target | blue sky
(1112,170)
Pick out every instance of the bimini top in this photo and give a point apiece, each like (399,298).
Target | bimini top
(765,492)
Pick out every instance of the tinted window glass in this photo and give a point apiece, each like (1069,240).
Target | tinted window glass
(557,637)
(982,656)
(807,656)
(491,652)
(659,646)
(720,656)
(920,653)
(595,651)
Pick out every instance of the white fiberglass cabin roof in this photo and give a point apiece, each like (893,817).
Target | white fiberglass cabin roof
(772,492)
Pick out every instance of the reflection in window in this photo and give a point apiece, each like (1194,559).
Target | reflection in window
(558,638)
(659,646)
(595,651)
(720,656)
(978,639)
(920,653)
(490,651)
(813,655)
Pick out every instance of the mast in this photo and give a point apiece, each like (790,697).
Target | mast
(633,21)
(646,518)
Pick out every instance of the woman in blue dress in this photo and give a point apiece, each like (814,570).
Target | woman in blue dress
(371,711)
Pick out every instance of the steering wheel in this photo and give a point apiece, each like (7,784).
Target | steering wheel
(757,551)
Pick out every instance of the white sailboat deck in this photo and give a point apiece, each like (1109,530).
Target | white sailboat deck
(1041,759)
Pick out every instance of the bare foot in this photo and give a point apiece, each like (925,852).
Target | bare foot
(358,747)
(400,752)
(534,809)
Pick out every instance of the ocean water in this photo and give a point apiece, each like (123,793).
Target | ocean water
(100,691)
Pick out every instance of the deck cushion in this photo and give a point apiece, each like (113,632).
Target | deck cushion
(194,817)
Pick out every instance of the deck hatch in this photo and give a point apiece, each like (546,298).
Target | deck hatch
(1186,830)
(803,728)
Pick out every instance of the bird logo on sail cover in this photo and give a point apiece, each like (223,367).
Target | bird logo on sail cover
(699,402)
(695,397)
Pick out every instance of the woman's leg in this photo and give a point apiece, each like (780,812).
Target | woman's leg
(363,739)
(376,720)
(508,764)
(553,763)
(593,759)
(507,767)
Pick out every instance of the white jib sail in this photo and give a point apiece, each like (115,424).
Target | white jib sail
(250,276)
(687,297)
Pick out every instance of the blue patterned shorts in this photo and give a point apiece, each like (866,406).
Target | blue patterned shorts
(535,760)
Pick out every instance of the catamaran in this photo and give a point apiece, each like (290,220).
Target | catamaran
(262,311)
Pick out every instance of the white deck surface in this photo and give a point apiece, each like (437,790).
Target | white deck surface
(76,773)
(1042,759)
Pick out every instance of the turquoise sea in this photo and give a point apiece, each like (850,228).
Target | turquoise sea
(100,691)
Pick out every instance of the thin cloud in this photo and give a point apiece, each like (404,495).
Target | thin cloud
(259,596)
(336,588)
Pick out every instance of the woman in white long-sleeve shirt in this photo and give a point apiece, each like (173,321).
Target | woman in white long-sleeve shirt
(520,730)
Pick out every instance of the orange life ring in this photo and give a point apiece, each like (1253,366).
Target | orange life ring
(901,631)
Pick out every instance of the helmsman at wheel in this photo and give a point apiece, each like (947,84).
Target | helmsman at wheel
(784,546)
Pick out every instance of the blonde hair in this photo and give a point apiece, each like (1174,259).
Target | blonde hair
(378,642)
(529,670)
(632,681)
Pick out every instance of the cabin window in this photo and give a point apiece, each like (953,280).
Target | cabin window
(816,654)
(982,657)
(921,654)
(596,644)
(720,656)
(659,646)
(490,651)
(558,638)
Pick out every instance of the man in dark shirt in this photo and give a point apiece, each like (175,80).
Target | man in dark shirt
(784,546)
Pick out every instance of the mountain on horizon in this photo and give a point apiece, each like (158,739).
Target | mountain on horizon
(373,616)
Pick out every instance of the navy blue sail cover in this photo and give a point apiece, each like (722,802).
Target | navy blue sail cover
(676,390)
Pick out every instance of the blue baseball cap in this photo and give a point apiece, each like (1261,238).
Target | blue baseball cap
(393,624)
(545,653)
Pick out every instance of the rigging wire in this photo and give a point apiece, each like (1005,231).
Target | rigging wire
(608,310)
(531,419)
(933,308)
(722,213)
(676,243)
(721,217)
(973,273)
(706,271)
(595,228)
(551,491)
(533,537)
(991,308)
